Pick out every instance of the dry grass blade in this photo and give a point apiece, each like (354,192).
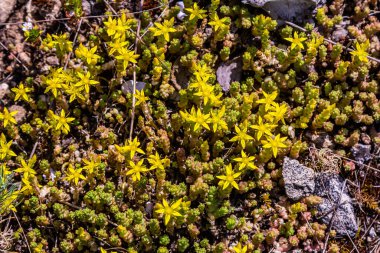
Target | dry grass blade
(324,160)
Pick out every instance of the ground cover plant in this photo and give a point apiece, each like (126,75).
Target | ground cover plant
(117,135)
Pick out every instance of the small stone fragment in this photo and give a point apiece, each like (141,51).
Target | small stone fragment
(21,112)
(334,194)
(127,87)
(52,60)
(299,179)
(6,8)
(229,72)
(361,153)
(286,9)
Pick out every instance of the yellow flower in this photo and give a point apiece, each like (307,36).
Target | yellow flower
(195,12)
(136,170)
(205,91)
(229,178)
(202,72)
(5,147)
(7,117)
(217,121)
(4,171)
(163,29)
(91,165)
(217,23)
(74,174)
(130,147)
(360,51)
(245,161)
(111,26)
(268,99)
(63,43)
(277,113)
(123,24)
(27,188)
(75,92)
(127,56)
(200,80)
(88,55)
(262,128)
(105,251)
(240,249)
(55,81)
(62,122)
(241,136)
(8,200)
(274,143)
(21,92)
(85,81)
(196,117)
(140,96)
(296,41)
(27,168)
(117,45)
(169,210)
(157,163)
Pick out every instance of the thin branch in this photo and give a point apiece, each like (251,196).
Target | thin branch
(34,149)
(17,59)
(74,41)
(134,74)
(22,231)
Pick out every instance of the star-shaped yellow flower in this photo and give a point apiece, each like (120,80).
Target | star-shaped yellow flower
(62,122)
(21,92)
(136,170)
(74,174)
(27,168)
(245,161)
(218,23)
(7,117)
(240,249)
(169,210)
(274,143)
(296,41)
(360,51)
(130,147)
(5,147)
(241,136)
(126,56)
(262,128)
(268,99)
(163,29)
(140,96)
(217,120)
(229,178)
(195,12)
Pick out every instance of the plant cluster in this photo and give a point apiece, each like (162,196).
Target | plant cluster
(201,169)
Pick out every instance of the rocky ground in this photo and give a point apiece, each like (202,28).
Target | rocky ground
(100,176)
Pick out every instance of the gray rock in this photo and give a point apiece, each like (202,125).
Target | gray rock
(181,14)
(6,8)
(299,179)
(286,9)
(127,86)
(228,72)
(361,153)
(334,195)
(21,112)
(52,60)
